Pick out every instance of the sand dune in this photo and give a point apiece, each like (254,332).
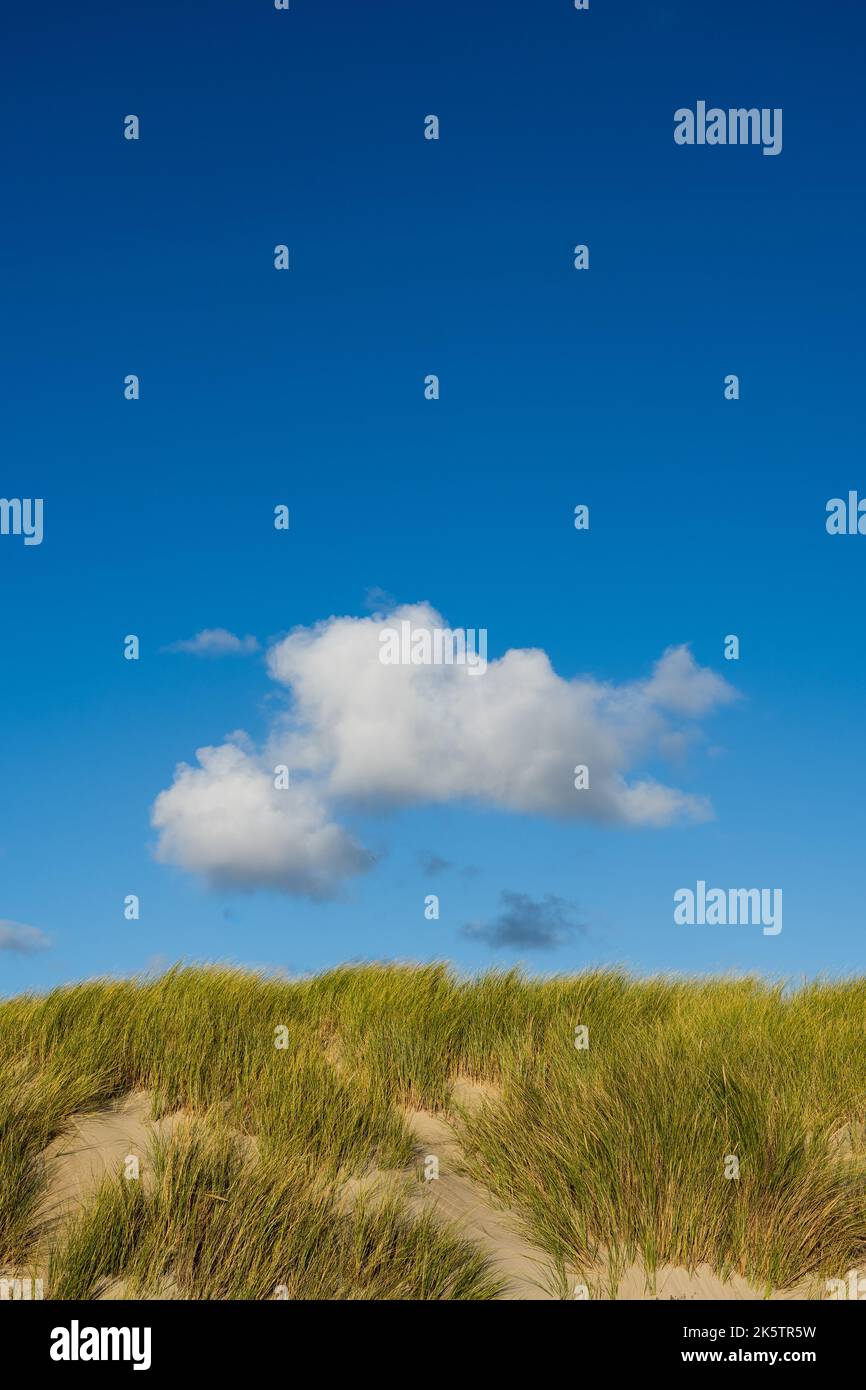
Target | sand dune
(97,1145)
(529,1272)
(94,1145)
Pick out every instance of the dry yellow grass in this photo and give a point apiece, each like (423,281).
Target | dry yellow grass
(620,1150)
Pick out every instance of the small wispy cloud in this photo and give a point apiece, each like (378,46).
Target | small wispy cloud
(530,924)
(21,939)
(378,600)
(433,864)
(215,641)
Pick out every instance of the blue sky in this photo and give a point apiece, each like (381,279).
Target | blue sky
(305,387)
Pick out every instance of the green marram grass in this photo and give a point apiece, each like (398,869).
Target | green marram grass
(617,1149)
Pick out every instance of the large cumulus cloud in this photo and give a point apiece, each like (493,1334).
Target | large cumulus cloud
(356,733)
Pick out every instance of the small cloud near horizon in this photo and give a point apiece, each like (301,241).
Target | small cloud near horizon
(21,939)
(525,923)
(214,641)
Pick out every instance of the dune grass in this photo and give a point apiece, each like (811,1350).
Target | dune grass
(626,1147)
(216,1223)
(34,1106)
(711,1131)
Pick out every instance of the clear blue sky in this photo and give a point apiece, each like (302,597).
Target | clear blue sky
(409,257)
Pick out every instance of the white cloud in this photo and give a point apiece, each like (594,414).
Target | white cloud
(226,820)
(679,685)
(16,936)
(215,641)
(360,733)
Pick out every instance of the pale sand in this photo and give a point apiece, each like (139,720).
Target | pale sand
(93,1146)
(529,1273)
(96,1145)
